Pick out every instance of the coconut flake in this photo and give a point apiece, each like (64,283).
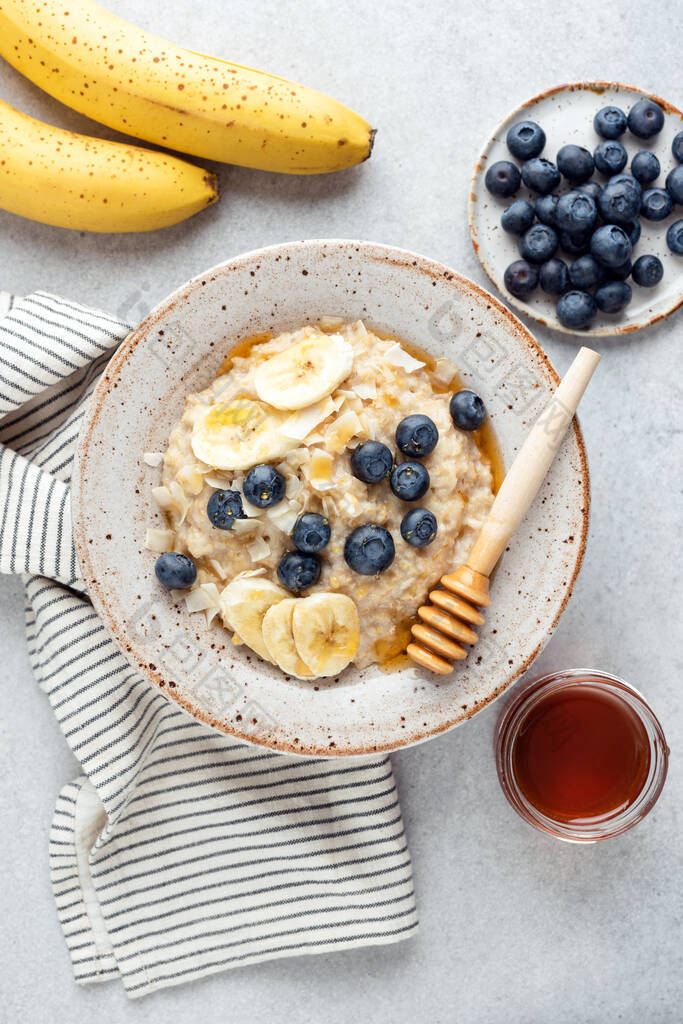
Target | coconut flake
(395,355)
(319,470)
(245,525)
(179,500)
(365,389)
(162,497)
(301,423)
(153,459)
(444,371)
(345,427)
(217,567)
(259,549)
(219,481)
(159,540)
(191,479)
(330,323)
(285,517)
(196,600)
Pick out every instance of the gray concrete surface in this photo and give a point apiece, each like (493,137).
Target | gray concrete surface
(516,928)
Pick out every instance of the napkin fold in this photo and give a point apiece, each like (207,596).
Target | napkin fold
(178,852)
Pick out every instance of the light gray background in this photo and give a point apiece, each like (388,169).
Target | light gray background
(515,928)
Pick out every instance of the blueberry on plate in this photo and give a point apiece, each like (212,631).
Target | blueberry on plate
(645,167)
(647,271)
(575,163)
(576,310)
(467,410)
(591,188)
(613,296)
(610,157)
(540,175)
(417,435)
(525,139)
(418,527)
(539,243)
(369,549)
(502,178)
(409,481)
(371,462)
(554,277)
(619,201)
(311,533)
(677,147)
(518,217)
(545,208)
(633,231)
(576,211)
(674,184)
(611,246)
(610,122)
(176,571)
(586,272)
(224,507)
(656,204)
(264,486)
(521,278)
(645,119)
(622,272)
(575,243)
(298,571)
(674,238)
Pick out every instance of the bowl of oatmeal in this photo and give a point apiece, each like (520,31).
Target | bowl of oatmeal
(269,482)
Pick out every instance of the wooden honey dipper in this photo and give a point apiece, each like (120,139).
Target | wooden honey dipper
(447,622)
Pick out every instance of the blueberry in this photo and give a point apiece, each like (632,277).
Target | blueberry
(545,209)
(647,271)
(467,410)
(633,231)
(656,204)
(297,571)
(369,549)
(610,157)
(418,527)
(264,486)
(417,435)
(613,296)
(518,217)
(586,272)
(645,167)
(627,179)
(575,163)
(540,175)
(610,246)
(622,272)
(592,189)
(554,277)
(521,278)
(525,139)
(645,119)
(224,507)
(539,243)
(502,178)
(619,202)
(576,310)
(409,481)
(674,238)
(610,122)
(371,462)
(576,211)
(175,571)
(311,533)
(677,148)
(575,243)
(674,184)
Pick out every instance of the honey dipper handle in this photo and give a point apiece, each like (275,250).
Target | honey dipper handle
(527,472)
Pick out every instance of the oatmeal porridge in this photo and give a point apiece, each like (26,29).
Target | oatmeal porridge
(316,492)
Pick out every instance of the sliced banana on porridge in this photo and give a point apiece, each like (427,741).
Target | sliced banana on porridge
(279,639)
(305,372)
(244,604)
(238,434)
(326,630)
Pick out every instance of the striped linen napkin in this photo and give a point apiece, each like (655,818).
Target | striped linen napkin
(178,852)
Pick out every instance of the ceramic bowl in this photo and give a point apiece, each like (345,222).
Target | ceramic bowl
(566,115)
(177,350)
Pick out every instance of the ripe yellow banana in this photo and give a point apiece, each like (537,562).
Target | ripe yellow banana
(141,85)
(74,181)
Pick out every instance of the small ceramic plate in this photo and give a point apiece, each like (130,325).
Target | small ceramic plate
(566,116)
(177,350)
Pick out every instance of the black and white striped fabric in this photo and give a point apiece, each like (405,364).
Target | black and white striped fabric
(179,852)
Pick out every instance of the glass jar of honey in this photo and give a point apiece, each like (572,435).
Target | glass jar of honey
(580,755)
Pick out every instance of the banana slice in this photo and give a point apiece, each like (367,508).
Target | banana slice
(304,373)
(326,631)
(239,434)
(244,603)
(278,638)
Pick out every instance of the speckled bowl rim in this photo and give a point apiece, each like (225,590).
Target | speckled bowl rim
(126,642)
(595,332)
